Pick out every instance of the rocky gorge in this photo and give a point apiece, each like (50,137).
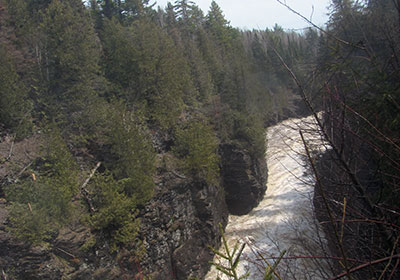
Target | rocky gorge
(177,225)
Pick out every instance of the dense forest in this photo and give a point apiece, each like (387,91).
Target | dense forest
(111,97)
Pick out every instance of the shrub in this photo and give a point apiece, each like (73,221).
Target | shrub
(41,203)
(133,157)
(247,131)
(115,211)
(196,145)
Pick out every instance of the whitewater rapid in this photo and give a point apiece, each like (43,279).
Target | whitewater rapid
(284,219)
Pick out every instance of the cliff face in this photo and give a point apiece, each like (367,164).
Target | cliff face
(183,219)
(177,226)
(244,179)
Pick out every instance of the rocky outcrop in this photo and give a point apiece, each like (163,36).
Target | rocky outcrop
(177,227)
(244,179)
(179,224)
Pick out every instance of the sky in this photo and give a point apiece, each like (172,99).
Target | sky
(262,14)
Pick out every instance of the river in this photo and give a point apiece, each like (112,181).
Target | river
(284,219)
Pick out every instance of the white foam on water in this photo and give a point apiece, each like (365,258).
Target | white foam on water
(284,219)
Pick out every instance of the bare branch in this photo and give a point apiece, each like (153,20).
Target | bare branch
(85,192)
(319,28)
(364,266)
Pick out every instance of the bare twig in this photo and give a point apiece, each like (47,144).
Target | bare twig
(65,252)
(313,257)
(18,175)
(319,184)
(319,28)
(4,274)
(357,186)
(23,170)
(365,265)
(387,139)
(365,221)
(390,260)
(178,175)
(343,219)
(394,269)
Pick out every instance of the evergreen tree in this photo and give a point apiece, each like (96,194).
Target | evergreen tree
(143,63)
(215,18)
(14,103)
(183,9)
(41,203)
(196,145)
(69,66)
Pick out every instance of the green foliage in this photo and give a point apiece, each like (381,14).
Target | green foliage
(196,145)
(106,90)
(122,143)
(246,130)
(125,147)
(14,105)
(125,11)
(116,211)
(218,25)
(233,258)
(131,146)
(363,76)
(41,203)
(33,227)
(250,130)
(69,68)
(89,244)
(143,65)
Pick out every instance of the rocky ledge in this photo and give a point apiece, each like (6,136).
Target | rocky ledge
(177,227)
(244,179)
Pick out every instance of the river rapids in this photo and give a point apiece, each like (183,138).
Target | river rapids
(284,220)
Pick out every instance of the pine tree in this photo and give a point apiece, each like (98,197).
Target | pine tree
(14,103)
(145,68)
(70,50)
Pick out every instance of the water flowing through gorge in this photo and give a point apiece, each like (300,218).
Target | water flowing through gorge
(284,219)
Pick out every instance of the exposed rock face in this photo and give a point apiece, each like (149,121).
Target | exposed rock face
(178,226)
(244,179)
(63,258)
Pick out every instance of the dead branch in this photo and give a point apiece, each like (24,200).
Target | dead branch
(14,180)
(178,175)
(85,193)
(313,257)
(91,175)
(364,266)
(65,252)
(11,151)
(394,269)
(365,221)
(390,260)
(319,28)
(319,184)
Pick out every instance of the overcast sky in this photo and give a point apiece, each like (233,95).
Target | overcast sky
(260,14)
